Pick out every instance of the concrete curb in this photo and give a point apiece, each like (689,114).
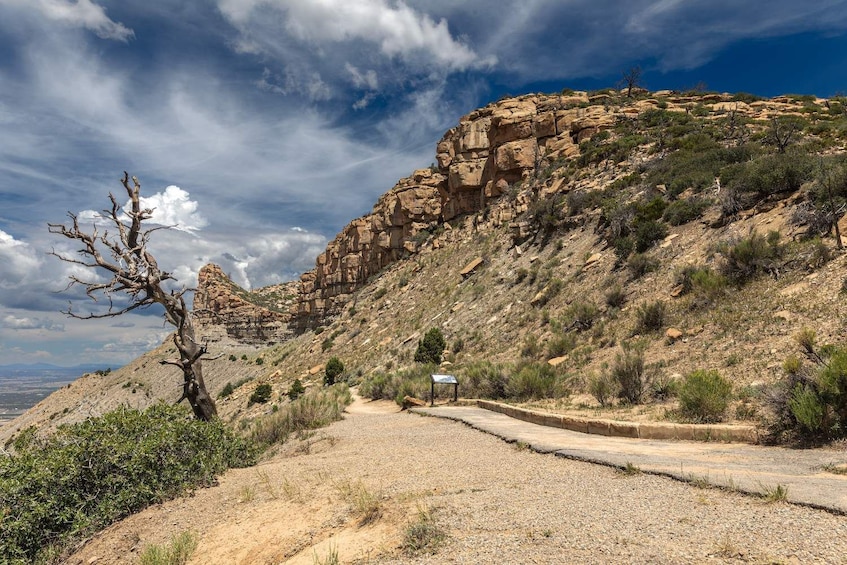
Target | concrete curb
(639,430)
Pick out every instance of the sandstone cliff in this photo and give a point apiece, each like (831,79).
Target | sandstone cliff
(478,161)
(223,308)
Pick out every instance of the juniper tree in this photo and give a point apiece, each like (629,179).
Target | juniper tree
(134,281)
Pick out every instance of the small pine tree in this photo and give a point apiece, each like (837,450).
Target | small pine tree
(296,390)
(431,347)
(334,368)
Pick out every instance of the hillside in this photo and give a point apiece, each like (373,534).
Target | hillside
(544,229)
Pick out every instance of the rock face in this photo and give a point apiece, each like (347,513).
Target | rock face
(478,160)
(221,306)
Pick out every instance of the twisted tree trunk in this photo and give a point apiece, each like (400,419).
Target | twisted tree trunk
(136,275)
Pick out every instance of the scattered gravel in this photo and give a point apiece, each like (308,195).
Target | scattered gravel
(502,504)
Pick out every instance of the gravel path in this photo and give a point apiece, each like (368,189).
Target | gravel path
(497,502)
(502,504)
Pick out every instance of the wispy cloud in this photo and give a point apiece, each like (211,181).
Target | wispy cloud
(79,13)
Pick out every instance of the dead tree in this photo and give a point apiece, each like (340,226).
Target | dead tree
(135,275)
(631,79)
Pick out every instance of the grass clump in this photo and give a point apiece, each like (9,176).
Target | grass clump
(423,535)
(704,396)
(180,549)
(364,502)
(87,475)
(316,408)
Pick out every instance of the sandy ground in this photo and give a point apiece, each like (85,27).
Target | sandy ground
(496,502)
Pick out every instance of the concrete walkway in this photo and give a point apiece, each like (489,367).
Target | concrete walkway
(747,468)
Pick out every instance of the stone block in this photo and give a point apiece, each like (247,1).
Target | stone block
(656,431)
(598,427)
(623,429)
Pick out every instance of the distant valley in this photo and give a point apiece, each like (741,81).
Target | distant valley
(23,386)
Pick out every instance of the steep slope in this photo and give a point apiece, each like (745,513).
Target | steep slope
(543,210)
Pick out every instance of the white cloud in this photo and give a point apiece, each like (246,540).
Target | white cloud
(367,79)
(81,13)
(18,259)
(27,323)
(173,207)
(398,30)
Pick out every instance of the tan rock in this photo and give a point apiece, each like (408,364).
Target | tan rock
(471,267)
(516,155)
(593,260)
(673,334)
(556,361)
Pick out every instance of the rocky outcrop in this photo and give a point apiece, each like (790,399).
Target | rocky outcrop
(478,160)
(223,308)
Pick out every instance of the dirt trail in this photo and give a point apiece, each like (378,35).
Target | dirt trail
(497,503)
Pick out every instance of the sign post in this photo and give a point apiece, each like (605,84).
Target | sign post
(443,380)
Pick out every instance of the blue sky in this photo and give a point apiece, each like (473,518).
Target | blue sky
(261,127)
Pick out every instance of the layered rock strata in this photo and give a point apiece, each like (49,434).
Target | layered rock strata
(222,308)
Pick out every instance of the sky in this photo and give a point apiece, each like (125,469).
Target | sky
(259,128)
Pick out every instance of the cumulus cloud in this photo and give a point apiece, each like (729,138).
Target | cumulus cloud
(81,13)
(18,259)
(173,207)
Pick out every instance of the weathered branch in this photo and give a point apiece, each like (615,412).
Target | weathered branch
(135,273)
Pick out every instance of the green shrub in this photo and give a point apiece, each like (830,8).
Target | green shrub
(807,408)
(334,368)
(630,373)
(296,390)
(431,347)
(639,264)
(770,174)
(261,394)
(650,317)
(57,490)
(531,381)
(561,344)
(484,379)
(414,382)
(615,296)
(227,390)
(581,315)
(703,284)
(603,388)
(681,212)
(751,256)
(704,396)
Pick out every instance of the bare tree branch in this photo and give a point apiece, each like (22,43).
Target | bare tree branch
(135,274)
